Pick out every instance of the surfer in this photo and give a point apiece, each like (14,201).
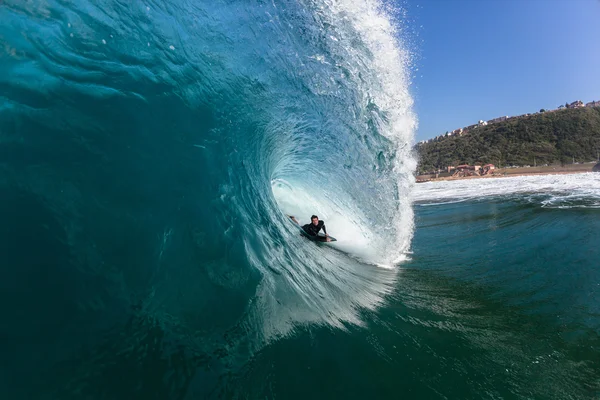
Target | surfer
(314,227)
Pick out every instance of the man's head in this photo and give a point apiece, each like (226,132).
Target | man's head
(315,220)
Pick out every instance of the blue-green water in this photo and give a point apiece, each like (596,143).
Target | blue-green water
(499,300)
(148,155)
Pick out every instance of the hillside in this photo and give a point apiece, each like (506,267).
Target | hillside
(544,138)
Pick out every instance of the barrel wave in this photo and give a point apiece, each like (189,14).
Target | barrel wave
(149,154)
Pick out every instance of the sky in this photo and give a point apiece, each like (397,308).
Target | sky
(481,59)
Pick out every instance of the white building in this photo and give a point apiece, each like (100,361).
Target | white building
(576,104)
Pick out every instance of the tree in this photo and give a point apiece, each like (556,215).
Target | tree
(543,110)
(549,138)
(567,104)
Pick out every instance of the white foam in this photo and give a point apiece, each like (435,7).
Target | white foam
(549,190)
(352,238)
(383,76)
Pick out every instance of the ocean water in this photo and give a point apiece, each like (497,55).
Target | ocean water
(498,300)
(149,152)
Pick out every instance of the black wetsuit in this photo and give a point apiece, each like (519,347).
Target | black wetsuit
(313,230)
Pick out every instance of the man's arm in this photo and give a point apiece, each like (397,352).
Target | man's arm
(324,229)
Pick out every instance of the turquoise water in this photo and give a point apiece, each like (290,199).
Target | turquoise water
(499,300)
(148,155)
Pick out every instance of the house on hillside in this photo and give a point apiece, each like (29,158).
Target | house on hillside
(482,123)
(576,104)
(593,104)
(450,168)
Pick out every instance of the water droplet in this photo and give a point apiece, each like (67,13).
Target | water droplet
(172,47)
(69,25)
(71,34)
(147,8)
(103,41)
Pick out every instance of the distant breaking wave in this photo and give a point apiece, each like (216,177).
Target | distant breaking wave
(551,191)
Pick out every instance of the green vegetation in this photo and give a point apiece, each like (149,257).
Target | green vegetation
(546,138)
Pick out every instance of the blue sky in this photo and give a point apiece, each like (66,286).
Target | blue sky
(481,59)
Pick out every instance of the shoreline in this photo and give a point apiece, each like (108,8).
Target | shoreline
(514,172)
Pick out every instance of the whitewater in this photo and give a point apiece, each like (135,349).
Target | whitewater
(552,191)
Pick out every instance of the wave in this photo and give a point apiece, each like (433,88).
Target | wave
(169,139)
(549,191)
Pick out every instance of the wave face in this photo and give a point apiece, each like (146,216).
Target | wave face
(149,151)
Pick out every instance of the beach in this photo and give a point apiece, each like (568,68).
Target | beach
(517,171)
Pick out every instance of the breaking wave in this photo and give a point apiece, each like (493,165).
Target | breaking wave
(163,143)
